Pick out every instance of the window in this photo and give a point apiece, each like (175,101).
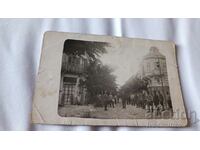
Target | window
(158,64)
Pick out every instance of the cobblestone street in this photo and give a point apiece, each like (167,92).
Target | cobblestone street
(118,112)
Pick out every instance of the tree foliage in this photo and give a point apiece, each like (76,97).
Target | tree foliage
(100,79)
(91,48)
(135,85)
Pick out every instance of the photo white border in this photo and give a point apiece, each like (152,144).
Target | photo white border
(48,83)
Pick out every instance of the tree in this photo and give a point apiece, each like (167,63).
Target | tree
(99,79)
(91,48)
(135,85)
(98,76)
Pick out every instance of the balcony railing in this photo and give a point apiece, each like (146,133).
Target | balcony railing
(74,68)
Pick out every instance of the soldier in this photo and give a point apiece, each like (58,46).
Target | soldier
(159,110)
(105,99)
(169,102)
(78,99)
(123,100)
(161,100)
(111,100)
(144,99)
(155,100)
(136,99)
(115,98)
(128,100)
(140,99)
(132,99)
(149,102)
(99,100)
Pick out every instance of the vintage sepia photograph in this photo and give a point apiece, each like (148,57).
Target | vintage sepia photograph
(102,80)
(105,80)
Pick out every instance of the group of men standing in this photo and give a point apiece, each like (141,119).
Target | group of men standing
(150,101)
(108,99)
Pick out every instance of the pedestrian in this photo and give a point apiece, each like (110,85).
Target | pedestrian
(99,100)
(136,99)
(78,99)
(123,100)
(159,110)
(118,98)
(144,97)
(147,106)
(155,100)
(115,99)
(161,99)
(132,99)
(105,100)
(128,100)
(150,98)
(140,99)
(111,100)
(169,102)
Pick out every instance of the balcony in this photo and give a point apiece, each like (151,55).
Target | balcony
(79,67)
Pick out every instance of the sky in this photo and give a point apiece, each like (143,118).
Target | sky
(124,59)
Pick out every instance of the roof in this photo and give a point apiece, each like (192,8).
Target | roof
(154,53)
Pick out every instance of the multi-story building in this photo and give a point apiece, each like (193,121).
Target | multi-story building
(153,68)
(73,74)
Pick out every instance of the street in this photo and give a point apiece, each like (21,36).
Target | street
(131,112)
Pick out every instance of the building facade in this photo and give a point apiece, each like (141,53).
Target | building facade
(73,75)
(154,70)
